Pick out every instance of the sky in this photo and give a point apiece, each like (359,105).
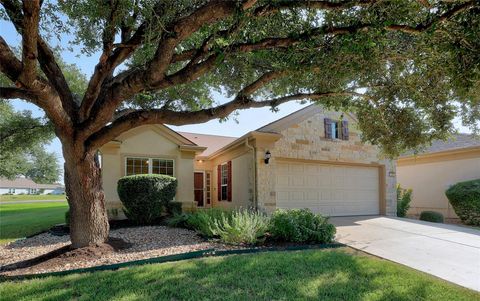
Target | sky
(248,120)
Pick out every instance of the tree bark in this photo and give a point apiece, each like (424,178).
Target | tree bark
(88,216)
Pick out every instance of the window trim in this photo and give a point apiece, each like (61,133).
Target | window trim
(150,163)
(221,182)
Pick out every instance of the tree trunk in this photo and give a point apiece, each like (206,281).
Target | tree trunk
(88,216)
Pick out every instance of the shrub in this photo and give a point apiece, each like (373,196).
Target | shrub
(67,218)
(301,225)
(145,197)
(179,220)
(174,208)
(431,216)
(241,227)
(465,200)
(203,220)
(404,197)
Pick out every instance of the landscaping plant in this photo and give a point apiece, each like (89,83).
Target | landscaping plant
(431,216)
(146,197)
(241,227)
(301,225)
(404,197)
(465,200)
(201,221)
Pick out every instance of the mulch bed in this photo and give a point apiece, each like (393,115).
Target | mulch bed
(51,252)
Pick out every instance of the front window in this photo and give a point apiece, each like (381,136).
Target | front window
(335,128)
(224,183)
(137,166)
(162,167)
(208,181)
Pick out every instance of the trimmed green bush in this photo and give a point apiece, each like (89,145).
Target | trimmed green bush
(404,197)
(241,227)
(431,216)
(146,197)
(465,200)
(301,225)
(174,208)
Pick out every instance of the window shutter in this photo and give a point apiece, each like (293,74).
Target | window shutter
(345,135)
(219,182)
(229,181)
(328,128)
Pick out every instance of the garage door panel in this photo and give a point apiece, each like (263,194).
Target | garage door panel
(328,189)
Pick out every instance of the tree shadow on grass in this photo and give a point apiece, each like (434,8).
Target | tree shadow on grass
(301,275)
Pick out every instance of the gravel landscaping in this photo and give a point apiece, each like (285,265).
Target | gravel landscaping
(140,242)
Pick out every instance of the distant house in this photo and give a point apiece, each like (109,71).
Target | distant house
(441,165)
(27,186)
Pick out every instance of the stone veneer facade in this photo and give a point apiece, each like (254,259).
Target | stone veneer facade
(306,141)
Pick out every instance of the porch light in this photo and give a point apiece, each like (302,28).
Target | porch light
(268,155)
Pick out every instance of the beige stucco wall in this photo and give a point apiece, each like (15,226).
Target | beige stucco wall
(430,180)
(144,142)
(242,181)
(306,141)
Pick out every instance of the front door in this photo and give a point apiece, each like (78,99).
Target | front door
(198,188)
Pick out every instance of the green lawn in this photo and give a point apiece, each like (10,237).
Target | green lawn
(31,197)
(20,220)
(302,275)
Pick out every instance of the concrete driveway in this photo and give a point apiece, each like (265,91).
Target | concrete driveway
(446,251)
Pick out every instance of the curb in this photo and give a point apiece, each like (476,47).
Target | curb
(172,258)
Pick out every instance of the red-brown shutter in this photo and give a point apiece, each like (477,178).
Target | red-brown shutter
(219,182)
(328,128)
(229,181)
(345,134)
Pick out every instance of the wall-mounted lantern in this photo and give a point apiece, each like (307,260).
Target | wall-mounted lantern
(268,155)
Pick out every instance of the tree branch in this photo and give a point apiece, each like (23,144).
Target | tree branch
(47,61)
(161,116)
(9,64)
(12,93)
(31,13)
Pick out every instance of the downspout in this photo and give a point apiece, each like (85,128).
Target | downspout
(254,156)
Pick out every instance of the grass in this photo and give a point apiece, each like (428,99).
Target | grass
(30,197)
(20,220)
(302,275)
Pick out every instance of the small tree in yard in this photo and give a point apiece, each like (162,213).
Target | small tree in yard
(405,67)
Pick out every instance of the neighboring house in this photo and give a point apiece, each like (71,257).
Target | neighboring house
(27,186)
(433,171)
(310,159)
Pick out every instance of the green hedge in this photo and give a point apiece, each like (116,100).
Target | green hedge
(465,200)
(431,216)
(301,225)
(146,197)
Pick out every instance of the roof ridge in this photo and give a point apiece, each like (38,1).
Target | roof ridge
(180,132)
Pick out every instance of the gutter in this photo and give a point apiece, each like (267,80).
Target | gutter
(254,157)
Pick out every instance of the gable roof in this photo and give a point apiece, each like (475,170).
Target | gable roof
(456,142)
(26,183)
(211,142)
(294,118)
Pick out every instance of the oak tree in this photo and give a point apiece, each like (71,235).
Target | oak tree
(405,67)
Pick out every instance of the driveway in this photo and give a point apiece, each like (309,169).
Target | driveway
(446,251)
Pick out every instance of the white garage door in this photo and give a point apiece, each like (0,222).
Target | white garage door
(333,190)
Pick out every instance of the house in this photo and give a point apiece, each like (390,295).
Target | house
(23,185)
(430,173)
(312,158)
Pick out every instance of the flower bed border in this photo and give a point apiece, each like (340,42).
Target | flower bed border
(171,258)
